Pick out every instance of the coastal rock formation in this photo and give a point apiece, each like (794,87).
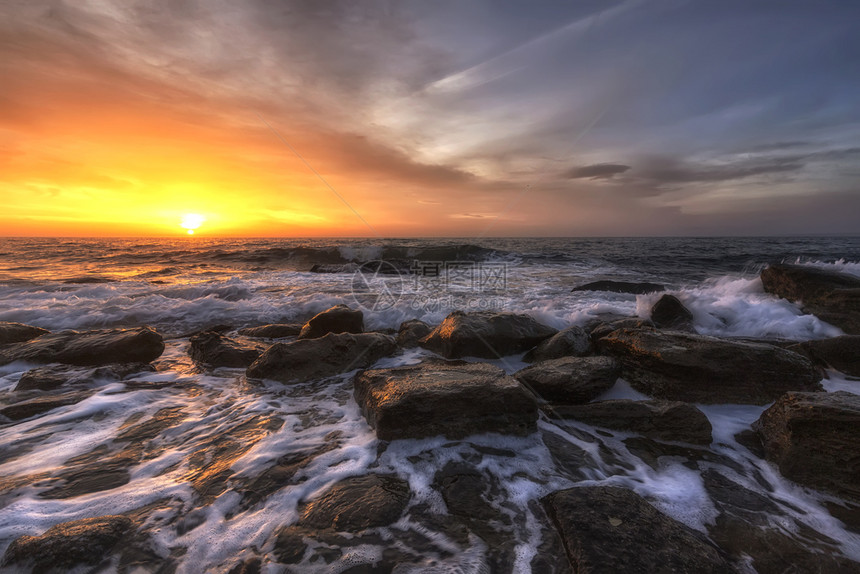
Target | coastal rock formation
(18,332)
(657,419)
(140,345)
(621,287)
(571,380)
(35,406)
(55,376)
(570,342)
(611,529)
(695,368)
(308,359)
(485,334)
(272,331)
(412,331)
(337,319)
(841,353)
(213,349)
(438,398)
(358,503)
(812,437)
(669,313)
(831,296)
(602,329)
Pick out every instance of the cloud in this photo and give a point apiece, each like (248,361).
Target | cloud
(666,170)
(596,171)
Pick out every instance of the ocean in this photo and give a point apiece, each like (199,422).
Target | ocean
(180,286)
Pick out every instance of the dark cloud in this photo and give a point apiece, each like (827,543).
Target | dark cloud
(596,171)
(666,170)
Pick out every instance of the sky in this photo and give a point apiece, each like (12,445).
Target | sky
(415,119)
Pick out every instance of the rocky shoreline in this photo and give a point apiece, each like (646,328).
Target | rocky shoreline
(808,434)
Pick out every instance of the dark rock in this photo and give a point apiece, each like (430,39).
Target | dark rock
(18,332)
(249,566)
(55,376)
(670,313)
(812,437)
(290,546)
(602,329)
(213,349)
(273,331)
(695,368)
(485,334)
(568,456)
(661,420)
(411,331)
(66,545)
(358,503)
(621,287)
(841,353)
(36,406)
(140,345)
(752,441)
(571,380)
(651,451)
(610,529)
(309,359)
(464,490)
(570,342)
(732,497)
(338,319)
(452,399)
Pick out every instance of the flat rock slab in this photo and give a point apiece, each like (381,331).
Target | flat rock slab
(309,359)
(438,398)
(18,332)
(272,331)
(337,319)
(570,342)
(657,419)
(358,503)
(571,380)
(813,438)
(695,368)
(610,529)
(214,349)
(485,334)
(841,353)
(104,347)
(36,406)
(621,287)
(56,376)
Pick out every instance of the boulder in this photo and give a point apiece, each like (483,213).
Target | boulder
(213,349)
(69,544)
(621,287)
(308,359)
(337,319)
(36,406)
(841,353)
(140,345)
(611,529)
(571,380)
(669,313)
(55,376)
(358,503)
(273,331)
(485,334)
(602,329)
(570,342)
(18,332)
(812,438)
(412,331)
(696,368)
(438,398)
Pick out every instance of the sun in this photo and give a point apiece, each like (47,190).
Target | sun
(192,221)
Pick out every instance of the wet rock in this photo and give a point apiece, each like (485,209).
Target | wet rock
(411,331)
(570,342)
(213,349)
(290,546)
(669,313)
(841,353)
(464,490)
(248,566)
(570,457)
(603,329)
(452,399)
(36,406)
(273,331)
(18,332)
(651,451)
(309,359)
(812,437)
(729,496)
(55,376)
(621,287)
(485,334)
(571,380)
(610,529)
(695,368)
(657,419)
(140,345)
(69,544)
(358,503)
(752,441)
(338,319)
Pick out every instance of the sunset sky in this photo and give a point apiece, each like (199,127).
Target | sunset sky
(429,118)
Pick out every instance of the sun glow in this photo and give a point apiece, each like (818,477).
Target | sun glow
(192,221)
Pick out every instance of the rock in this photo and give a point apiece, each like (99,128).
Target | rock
(669,313)
(140,345)
(695,368)
(602,329)
(213,349)
(358,503)
(485,334)
(464,490)
(621,287)
(338,319)
(66,545)
(55,376)
(18,332)
(841,353)
(308,359)
(290,546)
(610,529)
(657,419)
(570,342)
(812,437)
(831,296)
(32,407)
(411,331)
(273,331)
(571,380)
(452,399)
